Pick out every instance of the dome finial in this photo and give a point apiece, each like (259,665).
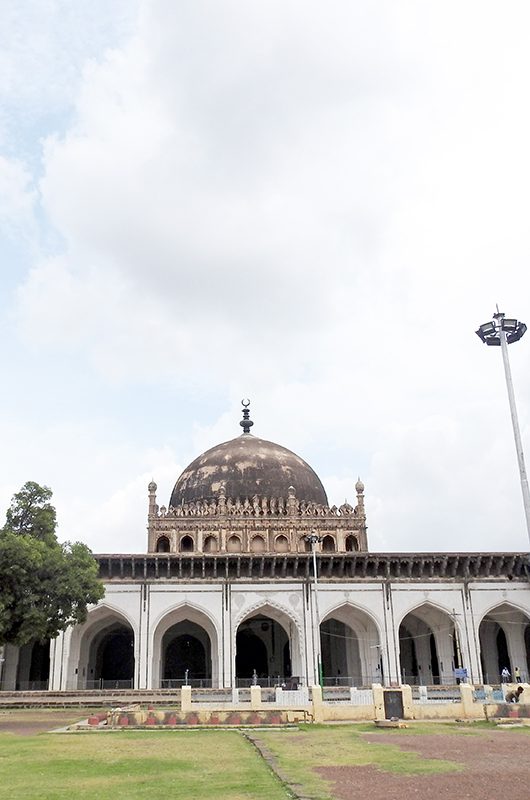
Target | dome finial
(246,423)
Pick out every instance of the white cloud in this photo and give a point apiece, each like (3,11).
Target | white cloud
(17,199)
(313,207)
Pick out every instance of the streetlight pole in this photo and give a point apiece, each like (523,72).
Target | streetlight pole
(313,540)
(502,332)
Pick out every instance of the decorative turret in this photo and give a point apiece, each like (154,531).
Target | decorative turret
(359,488)
(152,497)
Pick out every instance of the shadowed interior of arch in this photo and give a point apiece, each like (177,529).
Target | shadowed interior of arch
(111,657)
(33,670)
(350,648)
(186,654)
(427,646)
(262,645)
(504,635)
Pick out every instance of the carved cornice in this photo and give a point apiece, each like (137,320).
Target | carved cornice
(336,567)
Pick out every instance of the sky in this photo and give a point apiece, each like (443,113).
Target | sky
(312,205)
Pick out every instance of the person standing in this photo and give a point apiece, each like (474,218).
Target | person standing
(517,674)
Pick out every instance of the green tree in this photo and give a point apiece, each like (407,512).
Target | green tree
(45,586)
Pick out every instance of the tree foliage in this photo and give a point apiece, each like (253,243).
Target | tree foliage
(45,586)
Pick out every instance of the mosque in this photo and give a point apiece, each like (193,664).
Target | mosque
(250,575)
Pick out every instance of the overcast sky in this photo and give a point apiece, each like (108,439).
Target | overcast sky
(313,205)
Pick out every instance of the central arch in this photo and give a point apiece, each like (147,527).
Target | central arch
(350,647)
(186,655)
(428,646)
(267,643)
(185,649)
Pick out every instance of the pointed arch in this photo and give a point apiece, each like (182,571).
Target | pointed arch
(257,544)
(211,545)
(162,544)
(504,641)
(103,650)
(187,545)
(233,544)
(278,631)
(350,641)
(428,650)
(185,625)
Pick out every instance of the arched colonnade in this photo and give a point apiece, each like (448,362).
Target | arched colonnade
(270,644)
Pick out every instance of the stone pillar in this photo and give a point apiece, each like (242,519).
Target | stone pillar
(144,675)
(69,677)
(56,662)
(228,658)
(308,623)
(390,653)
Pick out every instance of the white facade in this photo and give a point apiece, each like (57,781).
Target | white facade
(372,629)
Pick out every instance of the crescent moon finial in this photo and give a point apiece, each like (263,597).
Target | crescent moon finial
(246,423)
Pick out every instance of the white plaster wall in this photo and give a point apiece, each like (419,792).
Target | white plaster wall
(150,608)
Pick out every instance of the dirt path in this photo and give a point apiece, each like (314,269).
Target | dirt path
(495,764)
(28,723)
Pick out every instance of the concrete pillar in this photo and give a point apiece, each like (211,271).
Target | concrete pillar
(318,705)
(185,699)
(468,707)
(408,707)
(255,698)
(379,701)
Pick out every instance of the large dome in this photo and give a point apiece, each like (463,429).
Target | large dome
(248,466)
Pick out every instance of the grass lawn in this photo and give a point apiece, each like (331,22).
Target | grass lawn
(218,765)
(200,764)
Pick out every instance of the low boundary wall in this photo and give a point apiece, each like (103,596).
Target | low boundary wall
(255,705)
